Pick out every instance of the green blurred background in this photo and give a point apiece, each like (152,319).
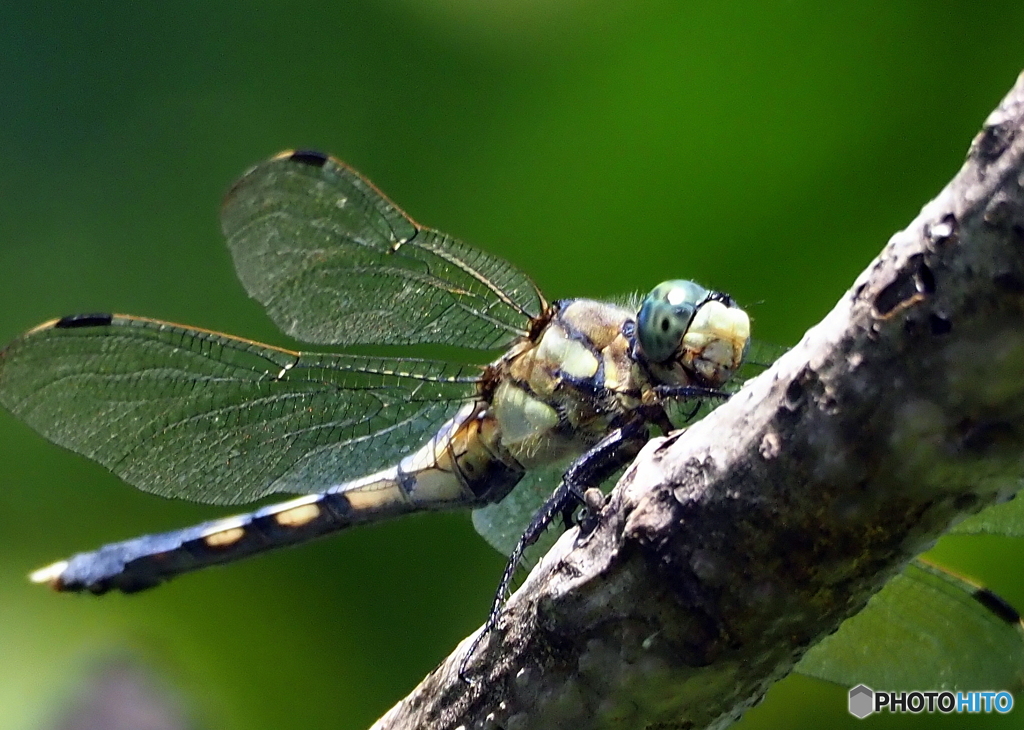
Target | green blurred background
(766,149)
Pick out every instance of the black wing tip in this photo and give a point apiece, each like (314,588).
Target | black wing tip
(313,158)
(997,605)
(74,321)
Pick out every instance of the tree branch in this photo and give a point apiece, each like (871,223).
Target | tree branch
(727,550)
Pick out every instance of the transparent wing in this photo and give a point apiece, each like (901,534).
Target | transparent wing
(760,356)
(502,524)
(336,262)
(927,629)
(1006,519)
(204,416)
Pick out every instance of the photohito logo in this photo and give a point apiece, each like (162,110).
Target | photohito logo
(864,701)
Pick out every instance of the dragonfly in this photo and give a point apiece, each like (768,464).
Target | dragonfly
(200,415)
(577,388)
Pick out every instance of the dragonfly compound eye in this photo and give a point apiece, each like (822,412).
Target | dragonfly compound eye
(665,315)
(702,331)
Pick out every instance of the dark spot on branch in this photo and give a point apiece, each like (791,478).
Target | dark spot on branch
(1017,234)
(1009,282)
(915,282)
(794,393)
(925,279)
(993,141)
(939,324)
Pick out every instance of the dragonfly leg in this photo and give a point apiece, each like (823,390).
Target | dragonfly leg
(593,502)
(568,520)
(697,394)
(689,392)
(605,458)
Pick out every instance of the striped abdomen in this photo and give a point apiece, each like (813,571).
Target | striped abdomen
(463,465)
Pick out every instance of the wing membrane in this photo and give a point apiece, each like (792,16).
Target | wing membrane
(926,629)
(1006,519)
(204,416)
(502,524)
(333,261)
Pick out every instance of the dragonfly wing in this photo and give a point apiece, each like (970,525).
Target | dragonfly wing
(760,355)
(1006,519)
(334,261)
(927,629)
(204,416)
(502,524)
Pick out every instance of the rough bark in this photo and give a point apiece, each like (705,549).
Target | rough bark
(727,550)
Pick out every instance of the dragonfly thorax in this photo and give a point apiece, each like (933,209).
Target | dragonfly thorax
(557,395)
(593,363)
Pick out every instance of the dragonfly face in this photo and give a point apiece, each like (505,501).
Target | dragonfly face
(199,415)
(688,332)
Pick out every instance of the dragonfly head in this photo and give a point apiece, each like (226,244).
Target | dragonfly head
(685,330)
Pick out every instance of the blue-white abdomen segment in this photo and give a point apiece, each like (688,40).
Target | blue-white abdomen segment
(147,561)
(462,465)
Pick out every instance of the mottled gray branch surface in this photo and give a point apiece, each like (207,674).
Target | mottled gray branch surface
(727,550)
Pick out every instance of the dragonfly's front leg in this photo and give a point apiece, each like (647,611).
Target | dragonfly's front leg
(689,392)
(591,469)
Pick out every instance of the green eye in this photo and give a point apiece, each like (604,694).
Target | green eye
(665,315)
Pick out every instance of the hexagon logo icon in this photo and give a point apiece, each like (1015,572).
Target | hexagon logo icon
(862,701)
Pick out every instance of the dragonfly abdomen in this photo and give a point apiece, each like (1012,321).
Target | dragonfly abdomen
(147,561)
(461,466)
